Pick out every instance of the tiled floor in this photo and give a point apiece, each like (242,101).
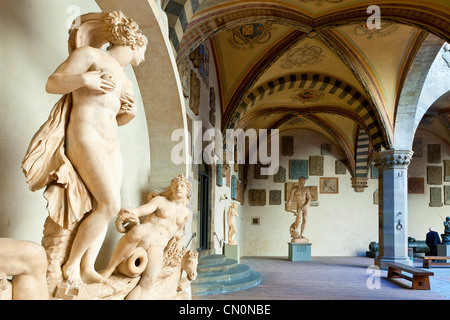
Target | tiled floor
(332,278)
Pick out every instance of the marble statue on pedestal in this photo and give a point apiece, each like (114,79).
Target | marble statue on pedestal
(302,196)
(231,216)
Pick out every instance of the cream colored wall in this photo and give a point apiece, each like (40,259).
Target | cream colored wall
(218,222)
(342,225)
(34,42)
(421,215)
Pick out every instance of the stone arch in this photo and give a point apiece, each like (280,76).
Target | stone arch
(165,111)
(419,92)
(344,91)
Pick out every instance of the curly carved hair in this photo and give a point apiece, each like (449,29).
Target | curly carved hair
(124,31)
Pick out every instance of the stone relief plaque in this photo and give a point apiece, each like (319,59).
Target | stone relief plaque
(298,168)
(434,153)
(287,146)
(257,197)
(325,149)
(375,197)
(434,175)
(314,193)
(447,170)
(329,185)
(288,186)
(274,197)
(316,165)
(280,176)
(194,101)
(447,195)
(340,167)
(183,70)
(241,192)
(228,176)
(219,178)
(212,106)
(417,147)
(373,172)
(435,197)
(257,171)
(233,187)
(416,185)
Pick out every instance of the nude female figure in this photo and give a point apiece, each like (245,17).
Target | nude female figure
(232,214)
(167,215)
(102,101)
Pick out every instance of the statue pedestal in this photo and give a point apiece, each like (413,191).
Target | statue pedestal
(299,251)
(443,250)
(231,251)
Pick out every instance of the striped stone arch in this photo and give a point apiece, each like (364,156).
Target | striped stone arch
(351,96)
(179,14)
(362,154)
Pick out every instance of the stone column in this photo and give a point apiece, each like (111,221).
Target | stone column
(393,206)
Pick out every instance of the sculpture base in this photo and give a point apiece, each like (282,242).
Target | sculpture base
(231,251)
(299,251)
(300,240)
(443,250)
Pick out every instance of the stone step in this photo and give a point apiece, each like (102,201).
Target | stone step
(218,274)
(239,271)
(211,259)
(252,279)
(218,267)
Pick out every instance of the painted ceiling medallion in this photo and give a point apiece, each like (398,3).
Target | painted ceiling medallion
(305,96)
(307,54)
(249,34)
(387,28)
(321,2)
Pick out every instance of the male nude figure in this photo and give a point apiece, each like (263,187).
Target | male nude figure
(102,101)
(303,197)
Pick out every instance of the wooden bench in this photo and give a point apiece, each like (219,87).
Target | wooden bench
(420,278)
(427,261)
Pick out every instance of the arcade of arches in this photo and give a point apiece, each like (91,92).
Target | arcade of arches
(365,108)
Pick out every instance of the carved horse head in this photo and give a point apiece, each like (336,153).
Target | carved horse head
(189,264)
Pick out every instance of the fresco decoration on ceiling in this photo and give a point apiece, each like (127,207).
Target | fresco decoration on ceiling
(307,95)
(308,55)
(387,28)
(295,121)
(200,60)
(322,2)
(247,35)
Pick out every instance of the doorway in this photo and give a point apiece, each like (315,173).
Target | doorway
(204,207)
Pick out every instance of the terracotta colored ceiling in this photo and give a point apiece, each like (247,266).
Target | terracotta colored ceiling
(315,64)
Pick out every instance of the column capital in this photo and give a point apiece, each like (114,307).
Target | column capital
(392,159)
